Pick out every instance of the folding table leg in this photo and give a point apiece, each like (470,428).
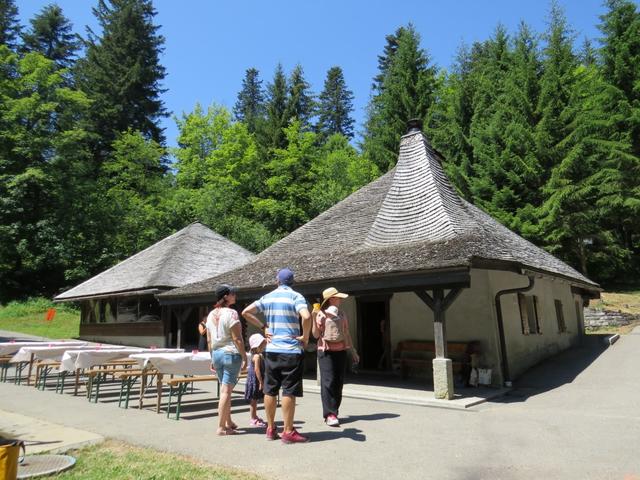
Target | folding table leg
(180,390)
(60,383)
(19,369)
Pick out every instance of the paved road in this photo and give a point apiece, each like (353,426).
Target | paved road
(575,417)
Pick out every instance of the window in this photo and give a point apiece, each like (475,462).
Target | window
(127,310)
(529,314)
(562,327)
(107,310)
(149,309)
(88,311)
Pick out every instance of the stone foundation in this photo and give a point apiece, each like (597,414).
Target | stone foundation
(606,318)
(443,378)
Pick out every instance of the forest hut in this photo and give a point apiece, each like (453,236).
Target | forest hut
(424,266)
(119,304)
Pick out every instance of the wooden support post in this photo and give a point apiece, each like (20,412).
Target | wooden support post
(442,366)
(439,326)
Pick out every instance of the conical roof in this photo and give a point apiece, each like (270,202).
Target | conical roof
(189,255)
(409,220)
(420,205)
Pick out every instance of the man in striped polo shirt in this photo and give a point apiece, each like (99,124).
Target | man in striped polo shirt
(282,309)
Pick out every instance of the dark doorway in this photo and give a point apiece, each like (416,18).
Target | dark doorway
(190,334)
(373,325)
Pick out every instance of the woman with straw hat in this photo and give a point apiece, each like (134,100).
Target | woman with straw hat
(331,328)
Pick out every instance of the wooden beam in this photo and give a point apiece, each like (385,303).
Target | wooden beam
(451,297)
(439,324)
(363,285)
(425,297)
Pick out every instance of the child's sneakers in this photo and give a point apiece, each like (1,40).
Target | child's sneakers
(257,422)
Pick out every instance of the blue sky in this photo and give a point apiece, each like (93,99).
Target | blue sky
(210,43)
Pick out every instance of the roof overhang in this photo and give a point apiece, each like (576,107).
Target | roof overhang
(366,284)
(591,290)
(123,293)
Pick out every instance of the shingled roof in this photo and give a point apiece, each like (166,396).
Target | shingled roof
(408,221)
(189,255)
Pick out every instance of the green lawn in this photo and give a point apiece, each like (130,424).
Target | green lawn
(113,460)
(29,317)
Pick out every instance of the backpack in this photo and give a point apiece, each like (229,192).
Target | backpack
(333,329)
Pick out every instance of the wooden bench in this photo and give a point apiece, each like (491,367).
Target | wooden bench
(4,367)
(419,354)
(97,376)
(181,384)
(128,378)
(43,368)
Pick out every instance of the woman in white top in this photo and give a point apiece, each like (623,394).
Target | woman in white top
(228,357)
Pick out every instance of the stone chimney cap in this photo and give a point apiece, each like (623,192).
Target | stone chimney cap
(414,125)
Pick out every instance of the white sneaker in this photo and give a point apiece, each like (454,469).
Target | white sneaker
(332,420)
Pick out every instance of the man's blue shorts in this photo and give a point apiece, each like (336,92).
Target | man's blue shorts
(227,366)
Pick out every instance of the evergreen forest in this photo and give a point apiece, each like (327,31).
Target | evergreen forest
(539,131)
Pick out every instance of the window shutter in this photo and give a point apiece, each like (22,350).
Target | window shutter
(524,318)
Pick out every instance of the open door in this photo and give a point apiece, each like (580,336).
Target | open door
(373,333)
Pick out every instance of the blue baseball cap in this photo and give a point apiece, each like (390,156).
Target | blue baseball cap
(285,276)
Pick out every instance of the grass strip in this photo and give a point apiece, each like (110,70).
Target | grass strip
(113,460)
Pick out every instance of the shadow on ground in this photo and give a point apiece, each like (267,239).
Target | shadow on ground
(556,371)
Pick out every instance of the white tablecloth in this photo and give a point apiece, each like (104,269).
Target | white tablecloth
(9,348)
(74,359)
(176,363)
(53,353)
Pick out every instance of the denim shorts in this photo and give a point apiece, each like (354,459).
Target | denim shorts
(227,366)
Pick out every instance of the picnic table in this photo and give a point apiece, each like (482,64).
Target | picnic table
(51,353)
(193,367)
(175,363)
(10,348)
(78,360)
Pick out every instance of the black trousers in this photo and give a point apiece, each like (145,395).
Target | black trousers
(332,369)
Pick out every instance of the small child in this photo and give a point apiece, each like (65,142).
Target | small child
(255,375)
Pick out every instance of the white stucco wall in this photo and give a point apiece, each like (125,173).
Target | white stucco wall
(524,351)
(471,317)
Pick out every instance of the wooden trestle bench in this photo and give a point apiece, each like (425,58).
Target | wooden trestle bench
(179,385)
(419,354)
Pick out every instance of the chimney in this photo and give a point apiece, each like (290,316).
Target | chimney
(414,125)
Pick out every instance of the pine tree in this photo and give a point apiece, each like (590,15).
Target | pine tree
(507,174)
(249,107)
(621,58)
(556,85)
(450,120)
(588,55)
(335,106)
(272,134)
(407,92)
(301,104)
(582,208)
(122,72)
(51,35)
(621,69)
(490,61)
(9,24)
(385,59)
